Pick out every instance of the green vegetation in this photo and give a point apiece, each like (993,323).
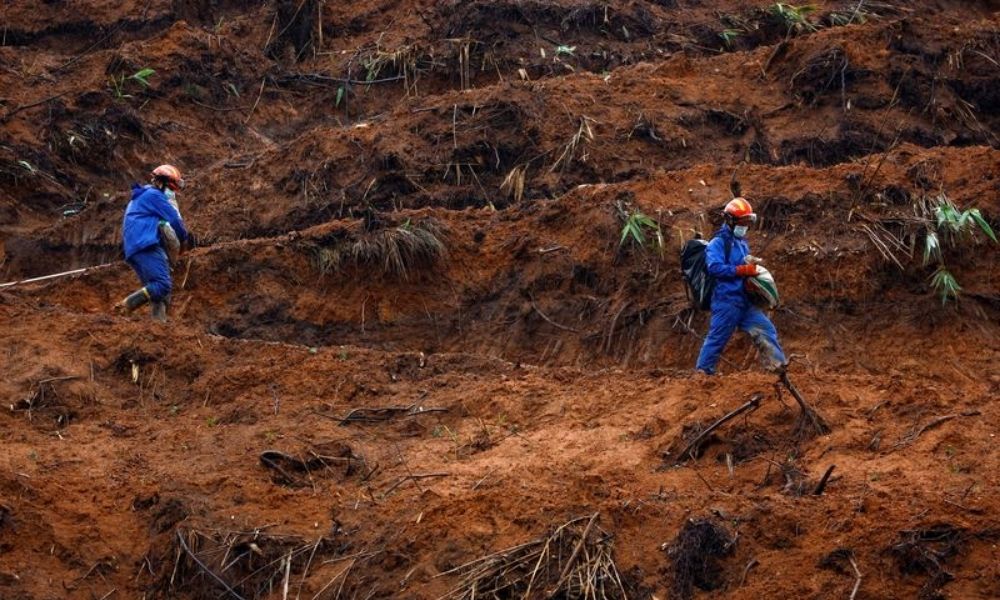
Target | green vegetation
(636,227)
(728,35)
(795,18)
(950,227)
(120,84)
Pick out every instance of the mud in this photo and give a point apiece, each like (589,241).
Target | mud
(411,337)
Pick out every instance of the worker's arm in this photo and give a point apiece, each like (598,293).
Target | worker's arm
(163,209)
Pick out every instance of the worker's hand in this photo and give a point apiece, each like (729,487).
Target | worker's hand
(746,271)
(753,260)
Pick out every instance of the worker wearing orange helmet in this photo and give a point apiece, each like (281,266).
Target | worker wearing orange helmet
(726,257)
(146,243)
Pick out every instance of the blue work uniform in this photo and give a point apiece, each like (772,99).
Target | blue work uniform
(141,238)
(732,308)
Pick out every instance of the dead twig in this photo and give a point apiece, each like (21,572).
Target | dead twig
(256,102)
(209,572)
(752,404)
(378,415)
(21,107)
(823,481)
(550,321)
(912,437)
(753,562)
(413,477)
(857,575)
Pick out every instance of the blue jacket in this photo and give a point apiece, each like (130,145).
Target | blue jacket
(140,229)
(728,285)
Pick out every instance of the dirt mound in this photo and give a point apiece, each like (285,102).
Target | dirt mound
(418,352)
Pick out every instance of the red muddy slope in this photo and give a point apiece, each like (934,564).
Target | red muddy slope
(324,418)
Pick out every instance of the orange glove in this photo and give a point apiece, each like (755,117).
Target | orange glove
(746,270)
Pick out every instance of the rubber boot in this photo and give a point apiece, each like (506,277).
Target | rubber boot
(160,310)
(133,301)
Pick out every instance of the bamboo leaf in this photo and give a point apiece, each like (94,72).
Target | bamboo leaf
(978,218)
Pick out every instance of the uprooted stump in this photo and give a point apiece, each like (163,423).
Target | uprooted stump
(574,561)
(926,551)
(810,421)
(696,554)
(212,563)
(297,470)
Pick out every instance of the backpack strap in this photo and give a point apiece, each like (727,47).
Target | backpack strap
(729,248)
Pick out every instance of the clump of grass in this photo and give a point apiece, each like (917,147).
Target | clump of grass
(949,227)
(120,84)
(795,18)
(641,230)
(393,251)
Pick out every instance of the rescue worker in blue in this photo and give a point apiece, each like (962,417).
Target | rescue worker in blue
(731,307)
(141,237)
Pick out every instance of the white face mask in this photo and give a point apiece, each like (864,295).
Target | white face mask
(740,230)
(171,196)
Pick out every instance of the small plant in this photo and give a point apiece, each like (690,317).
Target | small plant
(119,84)
(795,18)
(947,226)
(728,35)
(635,228)
(567,50)
(945,285)
(584,134)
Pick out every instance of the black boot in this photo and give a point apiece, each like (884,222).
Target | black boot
(160,310)
(133,301)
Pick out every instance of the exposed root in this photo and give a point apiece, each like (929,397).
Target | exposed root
(925,551)
(695,553)
(810,422)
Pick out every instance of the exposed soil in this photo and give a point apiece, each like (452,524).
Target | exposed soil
(411,338)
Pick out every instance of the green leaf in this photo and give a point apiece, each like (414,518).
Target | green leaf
(143,75)
(945,284)
(932,247)
(565,50)
(340,96)
(978,218)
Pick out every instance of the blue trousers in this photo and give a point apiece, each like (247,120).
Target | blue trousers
(726,318)
(154,271)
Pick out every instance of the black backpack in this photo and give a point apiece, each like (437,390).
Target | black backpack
(694,267)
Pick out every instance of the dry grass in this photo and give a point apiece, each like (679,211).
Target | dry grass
(574,561)
(237,564)
(393,251)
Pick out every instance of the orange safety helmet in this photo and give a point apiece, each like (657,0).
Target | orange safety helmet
(739,208)
(170,175)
